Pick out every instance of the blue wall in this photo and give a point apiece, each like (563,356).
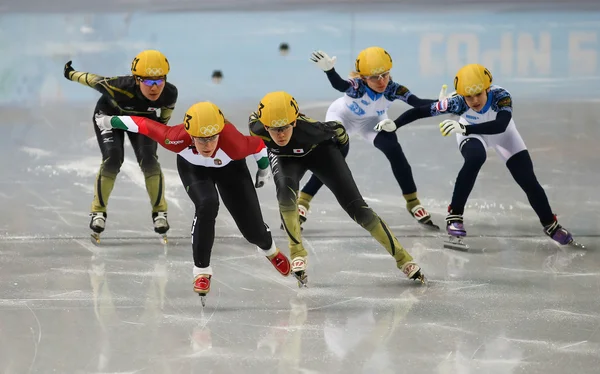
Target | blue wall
(531,54)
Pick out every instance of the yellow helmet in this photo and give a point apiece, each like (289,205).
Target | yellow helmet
(150,63)
(472,79)
(203,120)
(373,61)
(277,109)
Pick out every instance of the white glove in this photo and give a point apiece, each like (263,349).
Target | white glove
(443,95)
(386,125)
(103,121)
(323,61)
(451,126)
(262,175)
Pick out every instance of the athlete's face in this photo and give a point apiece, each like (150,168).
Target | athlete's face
(281,135)
(477,102)
(378,83)
(151,87)
(206,146)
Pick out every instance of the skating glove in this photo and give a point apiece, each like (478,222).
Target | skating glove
(451,126)
(261,177)
(103,121)
(386,125)
(68,69)
(443,95)
(323,61)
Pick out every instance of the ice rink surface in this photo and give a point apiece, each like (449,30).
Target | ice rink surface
(520,305)
(516,304)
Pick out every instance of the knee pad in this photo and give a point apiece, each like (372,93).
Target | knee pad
(150,166)
(207,209)
(386,142)
(473,152)
(362,214)
(112,165)
(287,198)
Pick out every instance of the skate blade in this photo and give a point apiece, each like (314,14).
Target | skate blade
(202,298)
(421,278)
(429,225)
(164,239)
(573,243)
(456,244)
(302,279)
(95,238)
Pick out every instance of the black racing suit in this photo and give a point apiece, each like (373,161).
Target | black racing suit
(122,96)
(315,146)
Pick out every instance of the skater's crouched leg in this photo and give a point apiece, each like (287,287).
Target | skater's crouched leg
(370,221)
(287,198)
(105,179)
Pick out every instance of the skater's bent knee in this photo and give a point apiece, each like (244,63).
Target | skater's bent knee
(362,214)
(287,198)
(207,207)
(111,166)
(473,152)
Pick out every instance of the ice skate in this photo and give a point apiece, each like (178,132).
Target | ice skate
(423,217)
(561,235)
(280,262)
(413,271)
(456,231)
(202,286)
(97,224)
(161,225)
(299,271)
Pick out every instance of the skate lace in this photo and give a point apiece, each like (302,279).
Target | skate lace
(552,229)
(454,218)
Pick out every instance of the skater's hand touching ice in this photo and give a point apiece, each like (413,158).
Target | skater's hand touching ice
(323,61)
(103,121)
(262,175)
(386,125)
(451,126)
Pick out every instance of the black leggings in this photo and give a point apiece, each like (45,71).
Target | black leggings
(520,167)
(111,145)
(327,163)
(386,142)
(239,196)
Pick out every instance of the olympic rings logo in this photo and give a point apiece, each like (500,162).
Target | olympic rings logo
(209,130)
(378,70)
(154,72)
(474,89)
(279,122)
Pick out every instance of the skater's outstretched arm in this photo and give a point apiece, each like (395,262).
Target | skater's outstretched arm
(453,105)
(121,87)
(97,82)
(173,138)
(396,91)
(239,146)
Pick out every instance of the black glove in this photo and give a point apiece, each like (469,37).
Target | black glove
(68,69)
